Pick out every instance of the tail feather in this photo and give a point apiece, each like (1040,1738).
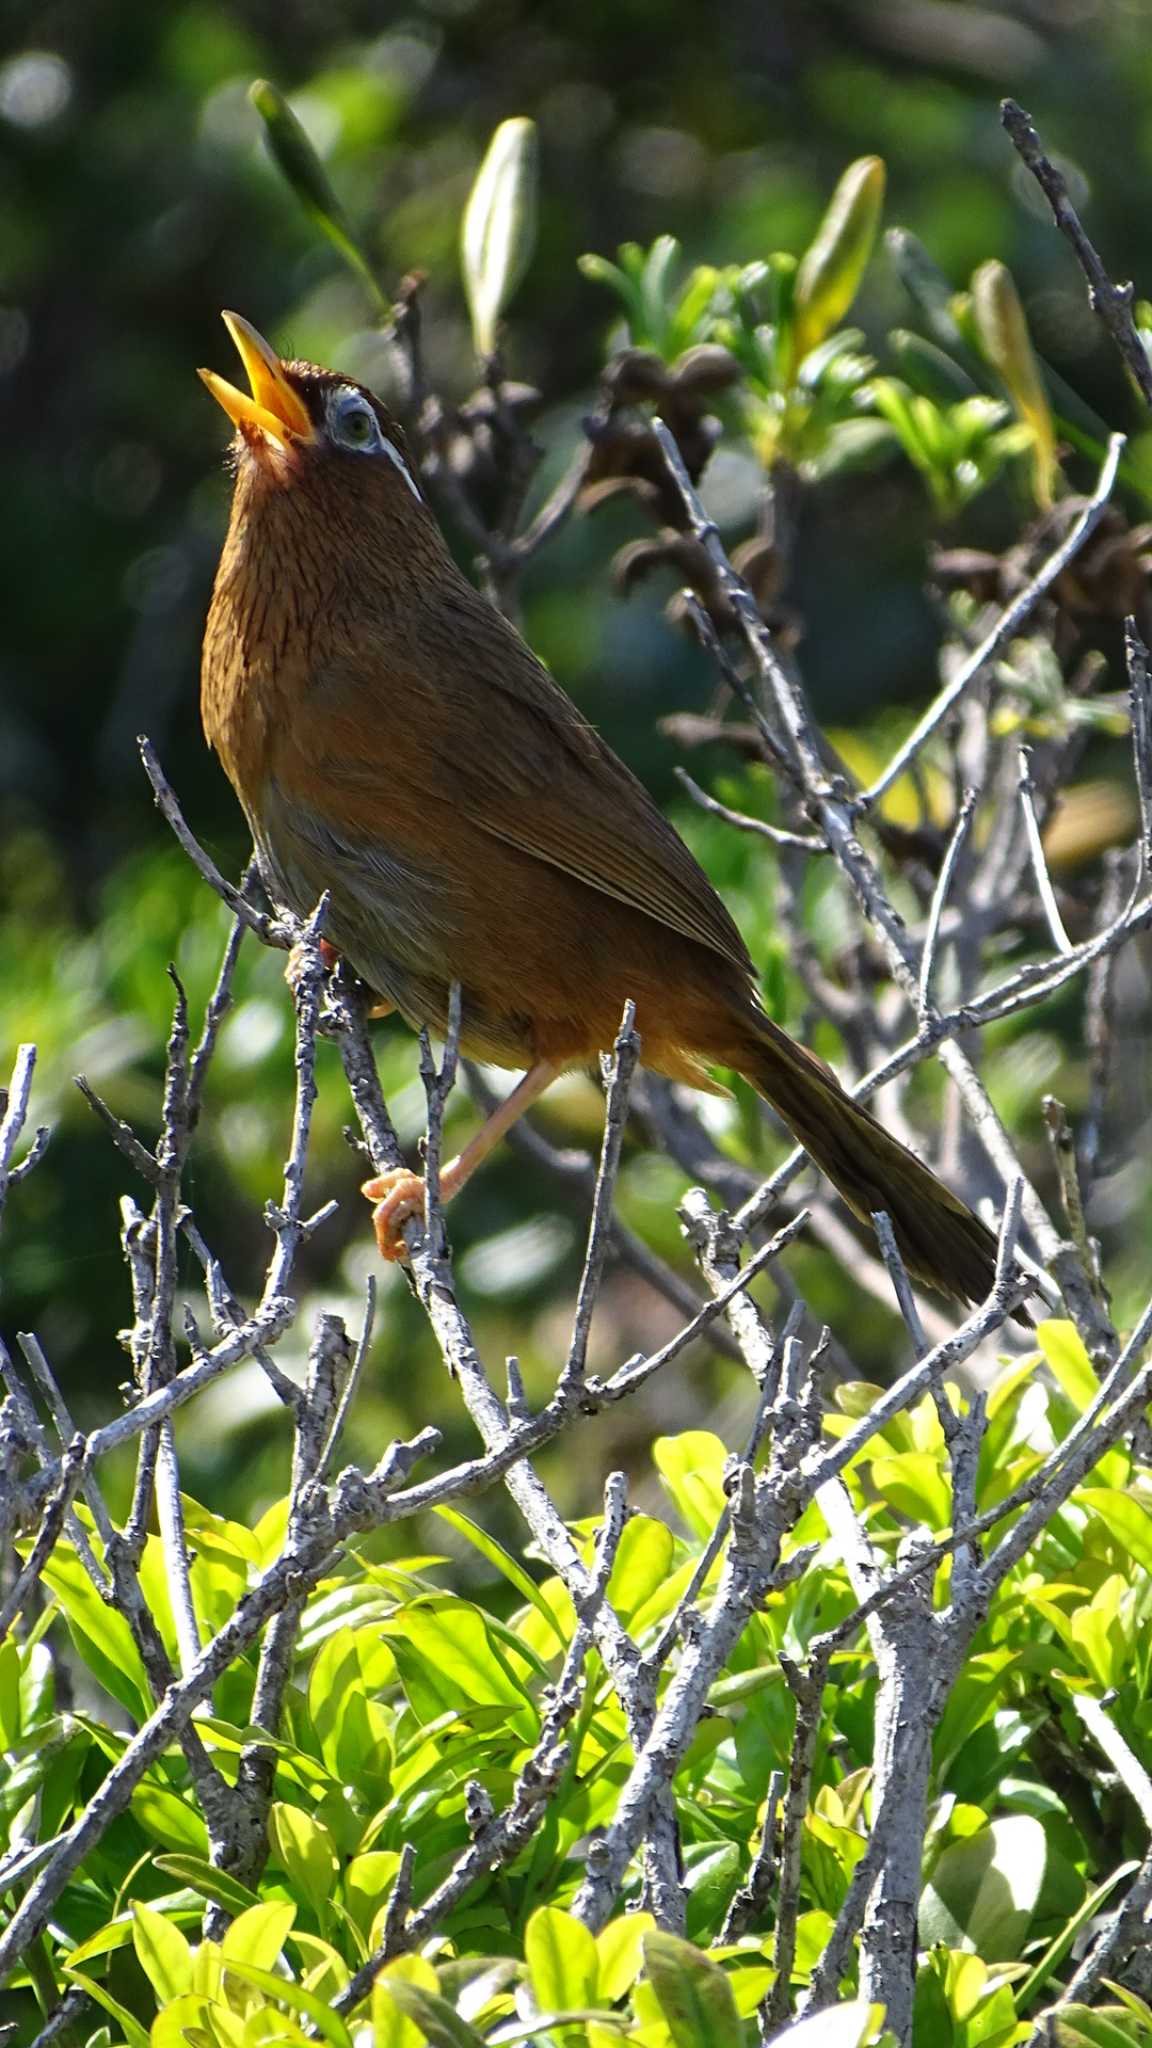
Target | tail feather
(941,1242)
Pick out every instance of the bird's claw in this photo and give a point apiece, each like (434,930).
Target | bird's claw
(295,967)
(398,1197)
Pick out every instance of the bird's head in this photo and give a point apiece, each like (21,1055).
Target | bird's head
(301,423)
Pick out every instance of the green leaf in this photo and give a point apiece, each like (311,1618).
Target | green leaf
(928,369)
(439,2022)
(134,2034)
(499,227)
(691,1467)
(620,1953)
(1004,338)
(983,1890)
(693,1993)
(102,1637)
(368,1880)
(831,269)
(913,1483)
(307,1852)
(1124,1518)
(258,1935)
(562,1961)
(350,1667)
(162,1952)
(184,2022)
(170,1820)
(642,1564)
(203,1877)
(712,1872)
(1064,1352)
(1083,2026)
(294,1996)
(458,1661)
(392,2028)
(296,159)
(1056,1951)
(506,1565)
(9,1693)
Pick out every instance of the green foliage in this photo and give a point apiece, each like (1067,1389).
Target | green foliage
(404,1694)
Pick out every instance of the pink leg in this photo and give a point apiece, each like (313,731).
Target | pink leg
(399,1195)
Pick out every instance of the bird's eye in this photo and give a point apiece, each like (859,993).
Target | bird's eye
(354,424)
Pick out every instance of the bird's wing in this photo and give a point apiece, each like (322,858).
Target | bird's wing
(458,716)
(595,820)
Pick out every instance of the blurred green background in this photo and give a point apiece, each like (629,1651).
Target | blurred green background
(136,200)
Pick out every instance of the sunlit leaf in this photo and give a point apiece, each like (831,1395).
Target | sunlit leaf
(499,228)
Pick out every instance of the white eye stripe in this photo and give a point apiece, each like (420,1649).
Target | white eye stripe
(395,456)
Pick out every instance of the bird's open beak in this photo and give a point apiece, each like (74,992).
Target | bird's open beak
(275,408)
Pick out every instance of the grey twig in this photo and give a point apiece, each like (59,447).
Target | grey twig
(898,1274)
(1064,1155)
(1133,1775)
(940,895)
(802,842)
(1006,627)
(1044,889)
(1124,1930)
(121,1134)
(438,1086)
(14,1100)
(270,929)
(749,1903)
(807,1689)
(52,1520)
(635,1371)
(618,1075)
(1140,707)
(1112,302)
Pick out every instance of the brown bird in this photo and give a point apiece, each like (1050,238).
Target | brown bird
(394,742)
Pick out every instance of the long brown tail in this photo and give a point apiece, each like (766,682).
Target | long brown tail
(941,1242)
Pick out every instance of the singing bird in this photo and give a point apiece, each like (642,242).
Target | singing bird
(394,741)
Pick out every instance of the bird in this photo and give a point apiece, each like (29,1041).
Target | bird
(394,742)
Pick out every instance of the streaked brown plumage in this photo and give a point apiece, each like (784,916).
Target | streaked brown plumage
(394,741)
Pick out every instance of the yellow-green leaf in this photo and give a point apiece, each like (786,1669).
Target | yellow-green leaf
(1006,343)
(392,2028)
(693,1993)
(258,1935)
(162,1952)
(1064,1352)
(620,1953)
(562,1961)
(499,227)
(306,1850)
(831,268)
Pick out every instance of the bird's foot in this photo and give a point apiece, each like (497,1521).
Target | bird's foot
(398,1197)
(329,957)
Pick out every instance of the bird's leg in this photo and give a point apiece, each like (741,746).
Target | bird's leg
(399,1195)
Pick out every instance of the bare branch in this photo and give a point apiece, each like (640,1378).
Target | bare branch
(1112,302)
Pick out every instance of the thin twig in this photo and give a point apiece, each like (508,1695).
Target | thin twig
(1007,626)
(618,1075)
(940,896)
(1112,302)
(1027,794)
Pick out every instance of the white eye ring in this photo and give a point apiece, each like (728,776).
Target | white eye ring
(348,415)
(353,424)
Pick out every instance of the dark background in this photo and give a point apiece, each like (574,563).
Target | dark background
(136,200)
